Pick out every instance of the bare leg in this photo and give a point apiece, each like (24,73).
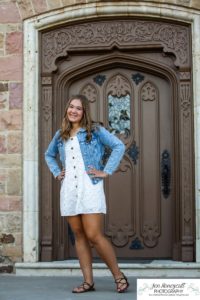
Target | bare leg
(92,224)
(82,247)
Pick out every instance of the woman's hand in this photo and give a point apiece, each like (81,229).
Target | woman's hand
(61,175)
(97,173)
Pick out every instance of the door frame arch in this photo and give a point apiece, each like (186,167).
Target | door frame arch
(32,28)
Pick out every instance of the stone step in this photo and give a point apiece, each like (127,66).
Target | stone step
(155,268)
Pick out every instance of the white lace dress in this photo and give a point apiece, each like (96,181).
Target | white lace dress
(78,195)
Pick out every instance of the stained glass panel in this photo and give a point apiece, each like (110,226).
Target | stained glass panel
(119,114)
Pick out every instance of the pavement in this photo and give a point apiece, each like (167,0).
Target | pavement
(14,287)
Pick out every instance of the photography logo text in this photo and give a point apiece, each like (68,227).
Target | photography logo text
(168,289)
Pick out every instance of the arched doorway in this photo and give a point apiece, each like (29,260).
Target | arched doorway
(133,90)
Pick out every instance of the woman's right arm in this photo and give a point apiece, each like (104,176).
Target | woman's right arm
(51,154)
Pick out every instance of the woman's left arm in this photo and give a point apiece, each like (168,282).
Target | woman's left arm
(117,147)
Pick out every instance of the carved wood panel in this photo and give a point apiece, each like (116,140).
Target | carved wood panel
(149,78)
(125,34)
(149,103)
(186,165)
(46,224)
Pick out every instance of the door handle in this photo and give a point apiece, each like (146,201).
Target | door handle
(166,173)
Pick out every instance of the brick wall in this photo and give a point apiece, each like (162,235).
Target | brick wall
(12,14)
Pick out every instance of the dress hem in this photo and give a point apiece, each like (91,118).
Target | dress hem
(83,213)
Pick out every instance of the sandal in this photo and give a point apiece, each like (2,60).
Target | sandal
(84,287)
(122,283)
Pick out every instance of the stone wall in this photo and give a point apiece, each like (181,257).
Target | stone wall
(12,14)
(10,135)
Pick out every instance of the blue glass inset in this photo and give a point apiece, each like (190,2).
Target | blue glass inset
(133,152)
(137,78)
(99,79)
(119,114)
(136,244)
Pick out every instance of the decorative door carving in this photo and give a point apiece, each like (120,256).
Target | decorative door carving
(139,86)
(140,115)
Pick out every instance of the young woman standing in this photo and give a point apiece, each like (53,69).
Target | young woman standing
(81,144)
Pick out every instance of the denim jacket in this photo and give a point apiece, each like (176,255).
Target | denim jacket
(93,152)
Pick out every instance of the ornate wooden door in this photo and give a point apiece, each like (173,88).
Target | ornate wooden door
(136,106)
(136,75)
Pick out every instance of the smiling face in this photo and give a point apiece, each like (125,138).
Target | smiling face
(75,112)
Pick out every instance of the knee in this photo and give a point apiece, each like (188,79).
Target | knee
(78,232)
(94,238)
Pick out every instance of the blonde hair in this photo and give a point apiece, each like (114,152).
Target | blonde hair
(86,121)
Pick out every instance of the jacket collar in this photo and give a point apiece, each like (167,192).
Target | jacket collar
(82,129)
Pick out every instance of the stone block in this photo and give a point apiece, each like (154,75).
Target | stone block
(195,4)
(9,12)
(2,192)
(6,268)
(4,204)
(15,204)
(20,27)
(17,259)
(6,260)
(3,146)
(1,40)
(7,238)
(14,43)
(14,143)
(10,161)
(53,4)
(18,239)
(10,203)
(68,2)
(3,175)
(11,120)
(11,222)
(25,8)
(11,250)
(3,87)
(6,28)
(39,6)
(3,100)
(81,1)
(2,259)
(183,2)
(14,183)
(15,100)
(11,68)
(3,179)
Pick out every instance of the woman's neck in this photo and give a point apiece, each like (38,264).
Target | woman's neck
(75,129)
(76,126)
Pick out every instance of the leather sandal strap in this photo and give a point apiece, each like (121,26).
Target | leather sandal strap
(122,283)
(85,283)
(84,287)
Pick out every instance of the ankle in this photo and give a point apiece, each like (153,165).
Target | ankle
(90,281)
(118,275)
